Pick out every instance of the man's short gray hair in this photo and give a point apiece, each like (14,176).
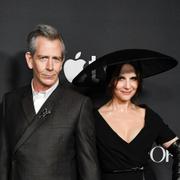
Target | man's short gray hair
(46,31)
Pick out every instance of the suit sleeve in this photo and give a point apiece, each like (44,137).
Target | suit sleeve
(4,157)
(86,144)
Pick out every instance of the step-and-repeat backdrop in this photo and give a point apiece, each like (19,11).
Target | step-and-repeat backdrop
(90,30)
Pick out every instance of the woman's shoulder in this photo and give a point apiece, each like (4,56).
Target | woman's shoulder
(102,109)
(147,108)
(151,114)
(103,112)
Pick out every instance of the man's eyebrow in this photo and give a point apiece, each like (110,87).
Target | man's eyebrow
(58,57)
(39,55)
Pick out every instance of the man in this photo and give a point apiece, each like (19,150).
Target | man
(47,131)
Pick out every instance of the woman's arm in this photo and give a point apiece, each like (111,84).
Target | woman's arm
(174,148)
(169,143)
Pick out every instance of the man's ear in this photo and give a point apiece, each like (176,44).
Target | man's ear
(29,60)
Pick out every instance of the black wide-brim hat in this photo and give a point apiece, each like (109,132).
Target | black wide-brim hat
(150,62)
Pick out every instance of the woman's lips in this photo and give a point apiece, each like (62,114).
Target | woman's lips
(126,93)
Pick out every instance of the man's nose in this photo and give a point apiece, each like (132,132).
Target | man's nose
(50,64)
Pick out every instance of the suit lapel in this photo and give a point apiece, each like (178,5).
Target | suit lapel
(28,107)
(42,116)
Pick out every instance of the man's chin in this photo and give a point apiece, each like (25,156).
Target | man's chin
(49,83)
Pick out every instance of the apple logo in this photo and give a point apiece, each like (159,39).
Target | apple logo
(73,67)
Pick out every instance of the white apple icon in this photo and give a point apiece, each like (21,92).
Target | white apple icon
(73,67)
(93,58)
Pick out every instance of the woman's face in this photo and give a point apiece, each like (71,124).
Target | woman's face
(126,84)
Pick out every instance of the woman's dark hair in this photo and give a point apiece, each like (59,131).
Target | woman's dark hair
(113,75)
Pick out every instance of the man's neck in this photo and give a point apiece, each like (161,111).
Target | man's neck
(39,88)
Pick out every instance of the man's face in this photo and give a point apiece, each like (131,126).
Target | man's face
(46,62)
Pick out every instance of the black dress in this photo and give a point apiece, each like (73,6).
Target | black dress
(117,157)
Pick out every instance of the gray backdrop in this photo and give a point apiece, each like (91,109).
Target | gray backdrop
(95,28)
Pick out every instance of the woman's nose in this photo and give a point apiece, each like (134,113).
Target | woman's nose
(127,84)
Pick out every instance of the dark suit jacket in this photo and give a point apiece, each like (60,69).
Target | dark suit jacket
(58,143)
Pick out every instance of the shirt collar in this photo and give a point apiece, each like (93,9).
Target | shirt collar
(44,93)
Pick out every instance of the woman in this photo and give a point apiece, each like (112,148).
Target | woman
(125,130)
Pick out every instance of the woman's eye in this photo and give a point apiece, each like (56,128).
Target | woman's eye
(120,78)
(134,78)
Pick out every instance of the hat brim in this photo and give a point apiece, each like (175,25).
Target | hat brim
(151,63)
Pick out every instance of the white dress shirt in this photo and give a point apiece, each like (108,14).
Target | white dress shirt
(39,98)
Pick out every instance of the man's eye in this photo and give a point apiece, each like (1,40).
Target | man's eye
(43,58)
(58,59)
